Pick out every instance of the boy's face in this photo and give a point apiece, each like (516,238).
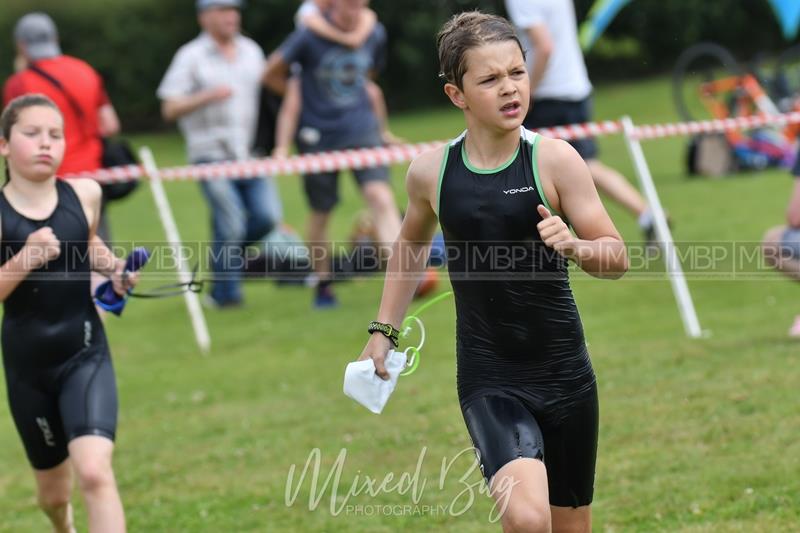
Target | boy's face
(495,87)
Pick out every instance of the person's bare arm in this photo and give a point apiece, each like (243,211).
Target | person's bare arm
(598,248)
(276,74)
(20,63)
(175,107)
(793,209)
(378,104)
(317,23)
(542,43)
(107,121)
(40,247)
(409,252)
(101,258)
(288,117)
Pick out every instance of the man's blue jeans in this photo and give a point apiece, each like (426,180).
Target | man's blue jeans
(242,212)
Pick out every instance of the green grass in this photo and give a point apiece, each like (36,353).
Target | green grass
(696,435)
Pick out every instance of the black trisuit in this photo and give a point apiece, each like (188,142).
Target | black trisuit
(525,382)
(57,365)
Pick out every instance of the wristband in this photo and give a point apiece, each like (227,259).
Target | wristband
(387,330)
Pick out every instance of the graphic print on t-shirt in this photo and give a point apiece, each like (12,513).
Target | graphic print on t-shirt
(341,74)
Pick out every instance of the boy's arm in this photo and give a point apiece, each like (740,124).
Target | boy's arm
(318,24)
(409,252)
(288,117)
(378,104)
(278,68)
(598,248)
(276,73)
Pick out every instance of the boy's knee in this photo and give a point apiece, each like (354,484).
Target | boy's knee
(528,520)
(379,196)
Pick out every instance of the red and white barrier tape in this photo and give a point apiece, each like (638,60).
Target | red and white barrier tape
(389,155)
(304,164)
(112,175)
(582,131)
(715,126)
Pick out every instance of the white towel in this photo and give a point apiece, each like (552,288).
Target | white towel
(362,384)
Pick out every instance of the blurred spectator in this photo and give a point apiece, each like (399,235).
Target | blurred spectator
(73,85)
(561,92)
(336,115)
(312,15)
(781,244)
(212,88)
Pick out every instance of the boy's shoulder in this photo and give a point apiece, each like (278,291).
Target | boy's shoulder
(427,165)
(556,152)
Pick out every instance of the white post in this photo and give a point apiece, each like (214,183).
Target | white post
(171,229)
(663,234)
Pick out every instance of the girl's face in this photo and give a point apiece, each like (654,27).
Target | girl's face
(495,87)
(36,144)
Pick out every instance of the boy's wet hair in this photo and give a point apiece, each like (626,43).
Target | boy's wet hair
(11,113)
(465,31)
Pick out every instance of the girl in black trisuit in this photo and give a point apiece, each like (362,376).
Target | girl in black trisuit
(58,370)
(502,195)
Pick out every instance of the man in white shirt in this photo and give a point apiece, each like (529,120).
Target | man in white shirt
(561,90)
(212,88)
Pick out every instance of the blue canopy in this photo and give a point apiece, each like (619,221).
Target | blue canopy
(600,16)
(788,13)
(603,12)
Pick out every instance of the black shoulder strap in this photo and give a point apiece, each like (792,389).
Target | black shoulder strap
(49,77)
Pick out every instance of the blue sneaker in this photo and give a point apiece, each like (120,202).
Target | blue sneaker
(325,299)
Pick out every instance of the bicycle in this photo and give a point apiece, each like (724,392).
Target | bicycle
(709,83)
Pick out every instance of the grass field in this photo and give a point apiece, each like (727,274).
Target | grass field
(696,435)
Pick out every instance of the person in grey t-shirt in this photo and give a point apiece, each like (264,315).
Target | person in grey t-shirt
(336,115)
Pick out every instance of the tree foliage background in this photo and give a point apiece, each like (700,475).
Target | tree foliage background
(130,42)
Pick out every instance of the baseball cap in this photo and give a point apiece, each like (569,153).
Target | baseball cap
(205,4)
(38,33)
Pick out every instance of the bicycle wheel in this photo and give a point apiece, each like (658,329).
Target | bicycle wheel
(696,69)
(785,86)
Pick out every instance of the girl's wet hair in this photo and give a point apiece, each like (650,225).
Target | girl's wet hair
(11,113)
(465,31)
